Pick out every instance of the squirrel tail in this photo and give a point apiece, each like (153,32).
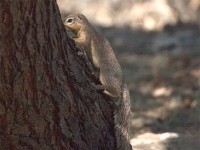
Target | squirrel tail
(123,117)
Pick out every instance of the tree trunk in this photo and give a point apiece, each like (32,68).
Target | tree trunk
(47,100)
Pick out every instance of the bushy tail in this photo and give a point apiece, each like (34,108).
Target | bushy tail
(123,117)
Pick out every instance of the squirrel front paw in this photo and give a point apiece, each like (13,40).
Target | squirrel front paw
(99,87)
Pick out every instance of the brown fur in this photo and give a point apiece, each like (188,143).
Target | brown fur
(101,55)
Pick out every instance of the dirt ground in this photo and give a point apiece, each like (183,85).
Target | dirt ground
(162,70)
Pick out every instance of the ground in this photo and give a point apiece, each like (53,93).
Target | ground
(162,70)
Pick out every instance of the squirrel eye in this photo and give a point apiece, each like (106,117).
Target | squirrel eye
(70,20)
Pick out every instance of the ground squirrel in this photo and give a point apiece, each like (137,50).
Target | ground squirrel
(101,55)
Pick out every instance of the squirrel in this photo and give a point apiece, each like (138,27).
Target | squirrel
(102,57)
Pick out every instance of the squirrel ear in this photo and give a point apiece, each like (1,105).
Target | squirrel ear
(80,16)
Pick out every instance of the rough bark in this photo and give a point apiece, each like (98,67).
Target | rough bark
(47,100)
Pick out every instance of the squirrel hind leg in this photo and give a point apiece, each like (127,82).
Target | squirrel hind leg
(112,86)
(100,87)
(108,93)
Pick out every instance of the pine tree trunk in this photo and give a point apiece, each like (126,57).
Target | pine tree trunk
(46,96)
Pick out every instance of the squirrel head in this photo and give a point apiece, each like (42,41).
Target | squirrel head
(75,22)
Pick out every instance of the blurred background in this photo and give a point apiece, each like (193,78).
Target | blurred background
(158,45)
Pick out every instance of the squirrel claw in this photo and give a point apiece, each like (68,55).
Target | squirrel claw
(80,53)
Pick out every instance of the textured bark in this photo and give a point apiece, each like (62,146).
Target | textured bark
(47,100)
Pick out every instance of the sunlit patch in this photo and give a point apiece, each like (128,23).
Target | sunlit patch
(162,91)
(196,73)
(151,138)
